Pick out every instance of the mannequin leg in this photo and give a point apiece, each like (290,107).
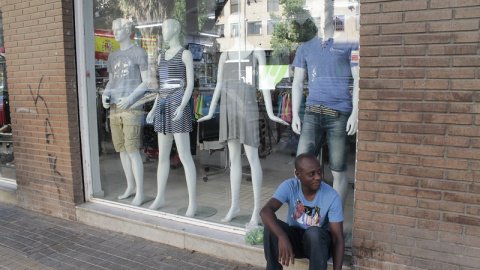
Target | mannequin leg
(164,145)
(182,140)
(234,149)
(340,184)
(127,169)
(137,167)
(257,178)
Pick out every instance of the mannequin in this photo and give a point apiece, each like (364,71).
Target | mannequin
(128,80)
(237,128)
(175,67)
(327,51)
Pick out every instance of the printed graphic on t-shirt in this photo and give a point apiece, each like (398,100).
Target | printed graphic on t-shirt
(307,215)
(121,66)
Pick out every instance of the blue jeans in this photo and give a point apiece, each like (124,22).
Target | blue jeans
(318,127)
(313,243)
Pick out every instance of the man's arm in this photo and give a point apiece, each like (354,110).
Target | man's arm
(338,243)
(285,251)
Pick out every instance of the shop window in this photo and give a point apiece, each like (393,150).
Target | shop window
(7,162)
(255,28)
(139,157)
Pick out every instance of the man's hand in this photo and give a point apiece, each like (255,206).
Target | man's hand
(285,251)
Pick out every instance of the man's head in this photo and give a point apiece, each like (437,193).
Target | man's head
(309,171)
(122,28)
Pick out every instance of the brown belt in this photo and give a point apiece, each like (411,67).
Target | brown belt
(320,109)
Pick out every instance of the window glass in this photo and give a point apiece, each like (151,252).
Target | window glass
(194,104)
(7,161)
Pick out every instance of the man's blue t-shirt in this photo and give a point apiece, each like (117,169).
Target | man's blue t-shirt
(329,66)
(325,208)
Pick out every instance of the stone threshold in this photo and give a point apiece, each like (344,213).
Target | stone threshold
(227,245)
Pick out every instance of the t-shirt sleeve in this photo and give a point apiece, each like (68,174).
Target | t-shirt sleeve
(354,55)
(299,60)
(143,60)
(283,192)
(335,214)
(109,64)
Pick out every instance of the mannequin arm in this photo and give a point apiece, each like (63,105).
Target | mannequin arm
(297,94)
(260,55)
(352,122)
(187,59)
(151,114)
(218,90)
(125,102)
(106,93)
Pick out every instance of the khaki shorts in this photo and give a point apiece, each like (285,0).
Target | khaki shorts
(126,127)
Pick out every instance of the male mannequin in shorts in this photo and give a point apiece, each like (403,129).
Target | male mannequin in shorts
(128,80)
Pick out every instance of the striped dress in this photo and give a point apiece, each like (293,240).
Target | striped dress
(173,68)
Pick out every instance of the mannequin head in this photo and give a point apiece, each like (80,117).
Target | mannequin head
(327,20)
(122,28)
(170,29)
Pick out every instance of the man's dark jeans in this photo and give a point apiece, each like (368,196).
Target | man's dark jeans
(313,243)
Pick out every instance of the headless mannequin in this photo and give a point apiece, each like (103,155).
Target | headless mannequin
(171,32)
(340,182)
(239,51)
(131,162)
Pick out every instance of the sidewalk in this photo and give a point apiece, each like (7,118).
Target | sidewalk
(30,240)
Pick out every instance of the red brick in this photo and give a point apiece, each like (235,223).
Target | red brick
(391,257)
(380,127)
(426,84)
(379,84)
(451,4)
(428,264)
(381,62)
(370,8)
(426,62)
(428,15)
(464,108)
(392,219)
(466,37)
(369,73)
(448,119)
(378,106)
(452,50)
(401,117)
(464,131)
(396,6)
(443,248)
(421,172)
(422,150)
(371,206)
(442,206)
(376,227)
(473,210)
(370,30)
(403,51)
(463,176)
(366,136)
(373,167)
(365,156)
(452,26)
(380,40)
(462,197)
(467,13)
(410,73)
(407,28)
(466,61)
(426,39)
(449,96)
(366,19)
(369,51)
(364,196)
(443,185)
(452,73)
(423,129)
(465,84)
(400,95)
(395,179)
(424,107)
(399,138)
(376,147)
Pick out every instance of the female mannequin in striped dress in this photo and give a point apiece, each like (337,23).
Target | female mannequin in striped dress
(171,112)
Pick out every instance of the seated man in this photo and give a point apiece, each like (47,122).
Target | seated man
(314,227)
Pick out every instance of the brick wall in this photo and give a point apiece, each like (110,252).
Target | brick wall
(418,170)
(40,52)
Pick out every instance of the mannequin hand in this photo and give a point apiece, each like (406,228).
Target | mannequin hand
(296,124)
(151,116)
(123,103)
(106,104)
(278,120)
(352,124)
(177,114)
(207,117)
